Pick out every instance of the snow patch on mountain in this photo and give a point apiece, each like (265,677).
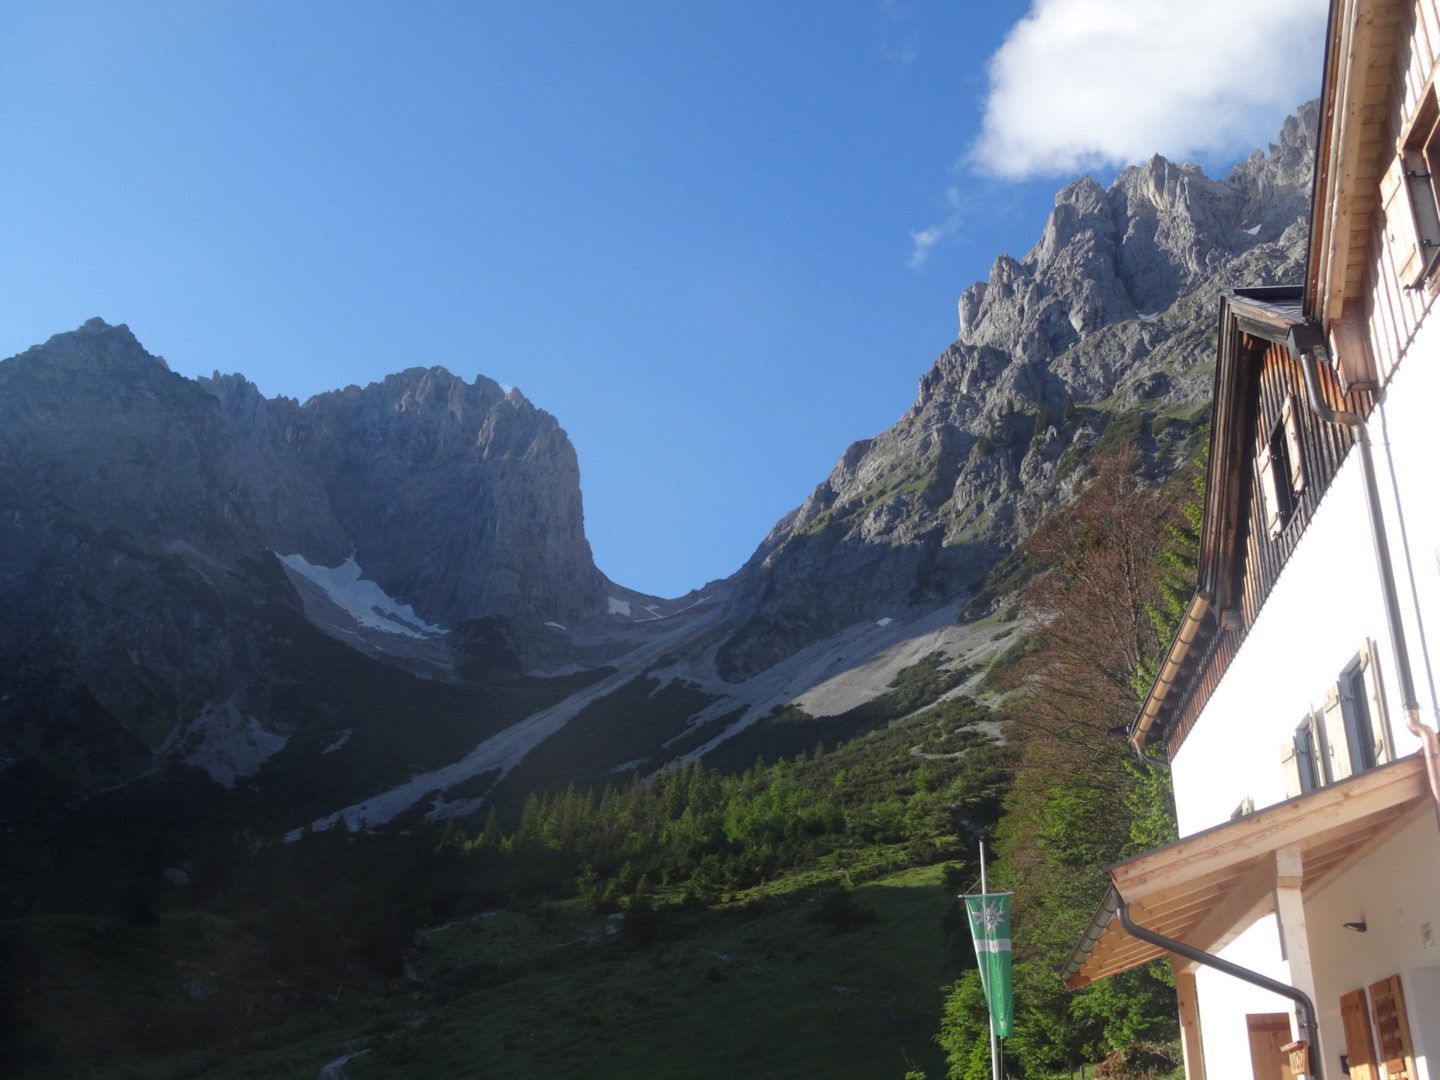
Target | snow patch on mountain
(224,743)
(617,606)
(363,600)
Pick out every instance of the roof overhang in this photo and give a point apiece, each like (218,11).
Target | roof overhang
(1207,889)
(1352,148)
(1250,320)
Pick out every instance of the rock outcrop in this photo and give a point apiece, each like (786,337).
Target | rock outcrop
(141,514)
(1100,335)
(462,630)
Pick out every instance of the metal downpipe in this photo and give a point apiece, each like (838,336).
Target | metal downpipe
(1309,1024)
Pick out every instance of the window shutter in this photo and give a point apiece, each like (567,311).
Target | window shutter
(1379,718)
(1333,726)
(1292,441)
(1400,232)
(1392,1029)
(1269,495)
(1359,1046)
(1290,762)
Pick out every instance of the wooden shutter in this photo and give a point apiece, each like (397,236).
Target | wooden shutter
(1359,1046)
(1270,509)
(1400,232)
(1337,746)
(1292,444)
(1392,1029)
(1375,691)
(1290,762)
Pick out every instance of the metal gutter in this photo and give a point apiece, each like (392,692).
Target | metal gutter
(1309,1025)
(1103,917)
(1174,661)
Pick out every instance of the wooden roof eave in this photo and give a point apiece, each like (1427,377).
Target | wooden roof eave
(1247,319)
(1208,887)
(1353,107)
(1326,152)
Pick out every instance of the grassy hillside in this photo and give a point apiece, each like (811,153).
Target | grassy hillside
(788,920)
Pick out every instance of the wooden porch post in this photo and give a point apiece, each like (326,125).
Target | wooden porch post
(1190,1044)
(1290,914)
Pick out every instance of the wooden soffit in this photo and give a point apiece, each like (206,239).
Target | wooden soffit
(1352,150)
(1207,889)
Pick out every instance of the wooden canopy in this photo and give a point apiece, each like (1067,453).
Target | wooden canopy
(1206,889)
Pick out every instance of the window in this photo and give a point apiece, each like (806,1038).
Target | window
(1408,196)
(1280,461)
(1304,758)
(1357,734)
(1348,734)
(1360,742)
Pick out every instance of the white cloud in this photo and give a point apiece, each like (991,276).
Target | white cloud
(1086,83)
(922,240)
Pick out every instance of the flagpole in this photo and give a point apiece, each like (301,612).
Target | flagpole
(994,1042)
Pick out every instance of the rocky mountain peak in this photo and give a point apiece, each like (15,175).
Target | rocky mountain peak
(1097,337)
(95,347)
(494,480)
(1159,230)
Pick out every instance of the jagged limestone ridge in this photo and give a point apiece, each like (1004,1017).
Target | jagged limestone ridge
(1099,336)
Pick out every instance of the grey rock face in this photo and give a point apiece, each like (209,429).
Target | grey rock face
(1101,335)
(141,605)
(493,479)
(140,513)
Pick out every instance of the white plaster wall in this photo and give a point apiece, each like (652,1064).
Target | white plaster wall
(1395,891)
(1406,434)
(1326,603)
(1224,1001)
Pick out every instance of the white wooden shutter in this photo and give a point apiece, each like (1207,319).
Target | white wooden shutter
(1336,747)
(1400,232)
(1292,445)
(1379,716)
(1270,509)
(1290,762)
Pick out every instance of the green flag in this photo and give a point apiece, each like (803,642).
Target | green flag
(990,927)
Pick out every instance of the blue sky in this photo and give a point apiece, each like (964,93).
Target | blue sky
(718,239)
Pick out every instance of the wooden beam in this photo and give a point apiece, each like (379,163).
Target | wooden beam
(1191,1046)
(1290,912)
(1221,850)
(1374,840)
(1250,898)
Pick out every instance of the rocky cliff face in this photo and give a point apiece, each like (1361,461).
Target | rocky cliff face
(436,620)
(1101,335)
(141,514)
(460,499)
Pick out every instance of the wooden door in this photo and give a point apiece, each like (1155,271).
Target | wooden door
(1268,1033)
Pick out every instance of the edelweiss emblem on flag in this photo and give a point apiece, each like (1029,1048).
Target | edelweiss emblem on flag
(990,915)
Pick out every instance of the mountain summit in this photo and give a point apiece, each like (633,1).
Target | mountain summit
(384,598)
(1098,336)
